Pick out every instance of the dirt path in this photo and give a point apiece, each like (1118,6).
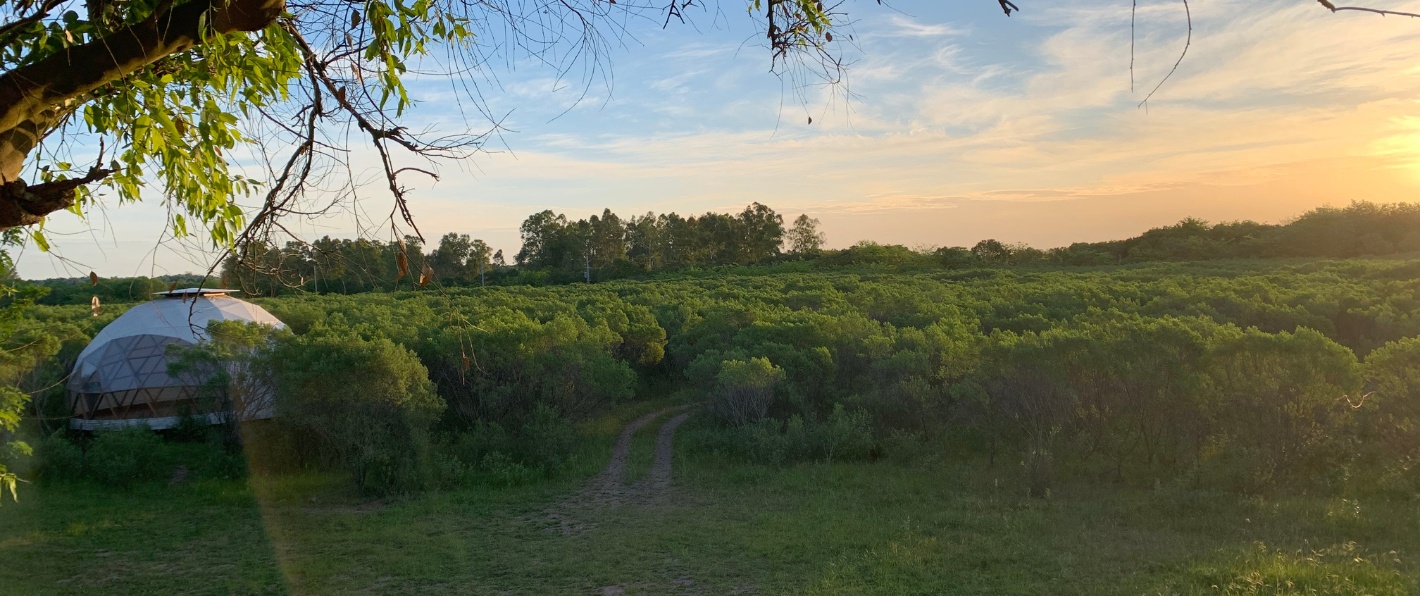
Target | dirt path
(611,482)
(660,478)
(609,488)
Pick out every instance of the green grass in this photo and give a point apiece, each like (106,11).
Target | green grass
(880,528)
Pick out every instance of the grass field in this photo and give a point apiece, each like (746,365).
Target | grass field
(725,527)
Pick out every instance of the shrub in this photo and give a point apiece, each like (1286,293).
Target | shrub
(58,458)
(512,363)
(843,435)
(1279,417)
(745,390)
(908,446)
(539,447)
(546,441)
(1392,415)
(214,460)
(364,405)
(125,457)
(503,471)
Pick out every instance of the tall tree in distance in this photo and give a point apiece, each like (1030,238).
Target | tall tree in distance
(762,233)
(450,259)
(542,235)
(606,239)
(480,260)
(805,239)
(645,241)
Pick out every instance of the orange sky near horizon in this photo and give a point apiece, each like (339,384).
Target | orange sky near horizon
(962,125)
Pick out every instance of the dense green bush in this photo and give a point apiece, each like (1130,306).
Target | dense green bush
(58,459)
(1176,400)
(843,435)
(362,404)
(1277,409)
(126,457)
(743,390)
(537,448)
(1391,416)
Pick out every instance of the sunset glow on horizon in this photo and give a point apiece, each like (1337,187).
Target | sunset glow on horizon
(955,124)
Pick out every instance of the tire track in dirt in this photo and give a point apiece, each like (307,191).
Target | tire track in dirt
(656,484)
(611,482)
(609,488)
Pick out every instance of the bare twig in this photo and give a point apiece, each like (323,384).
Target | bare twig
(1133,12)
(1370,10)
(1188,13)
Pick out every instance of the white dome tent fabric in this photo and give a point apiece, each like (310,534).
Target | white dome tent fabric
(121,379)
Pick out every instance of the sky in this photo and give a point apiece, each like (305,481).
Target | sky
(954,124)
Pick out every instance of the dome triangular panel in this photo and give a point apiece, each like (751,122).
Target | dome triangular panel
(121,376)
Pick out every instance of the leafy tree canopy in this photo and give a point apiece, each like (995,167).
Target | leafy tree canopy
(153,98)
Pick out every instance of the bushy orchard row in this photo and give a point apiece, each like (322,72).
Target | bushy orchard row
(1240,375)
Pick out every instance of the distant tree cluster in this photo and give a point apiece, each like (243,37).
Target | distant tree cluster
(328,265)
(651,242)
(116,289)
(555,250)
(606,247)
(1360,229)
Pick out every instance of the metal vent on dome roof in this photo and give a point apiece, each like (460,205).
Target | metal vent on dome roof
(187,292)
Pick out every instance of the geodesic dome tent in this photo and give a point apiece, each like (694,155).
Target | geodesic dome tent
(121,378)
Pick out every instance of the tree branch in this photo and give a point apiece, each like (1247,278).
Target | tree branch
(1382,12)
(1188,42)
(74,71)
(28,204)
(9,30)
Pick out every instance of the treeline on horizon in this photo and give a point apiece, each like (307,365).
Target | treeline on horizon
(558,250)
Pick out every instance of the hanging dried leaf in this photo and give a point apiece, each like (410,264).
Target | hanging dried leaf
(828,37)
(811,119)
(403,263)
(93,278)
(94,305)
(354,19)
(172,287)
(426,275)
(466,363)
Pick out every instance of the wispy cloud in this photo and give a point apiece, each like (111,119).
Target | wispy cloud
(1025,129)
(902,25)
